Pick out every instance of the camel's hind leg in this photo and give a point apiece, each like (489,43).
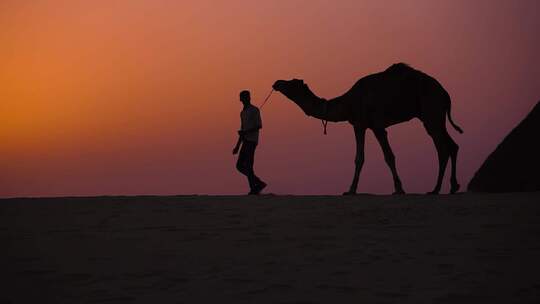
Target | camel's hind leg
(437,132)
(443,155)
(453,149)
(446,148)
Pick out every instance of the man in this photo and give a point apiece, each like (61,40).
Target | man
(248,138)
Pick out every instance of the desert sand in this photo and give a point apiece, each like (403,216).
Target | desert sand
(465,248)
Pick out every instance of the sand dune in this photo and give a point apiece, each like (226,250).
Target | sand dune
(514,165)
(467,248)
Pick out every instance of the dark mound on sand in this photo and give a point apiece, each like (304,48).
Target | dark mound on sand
(515,164)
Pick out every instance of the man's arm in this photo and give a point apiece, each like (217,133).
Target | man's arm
(238,143)
(241,134)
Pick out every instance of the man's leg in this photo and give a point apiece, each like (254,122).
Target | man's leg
(250,159)
(245,163)
(241,162)
(246,159)
(256,183)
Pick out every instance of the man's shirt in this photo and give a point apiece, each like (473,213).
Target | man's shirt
(250,118)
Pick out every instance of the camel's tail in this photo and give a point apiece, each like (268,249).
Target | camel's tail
(451,121)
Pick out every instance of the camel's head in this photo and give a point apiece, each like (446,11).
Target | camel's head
(293,88)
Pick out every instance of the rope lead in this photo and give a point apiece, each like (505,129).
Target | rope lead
(324,122)
(266,99)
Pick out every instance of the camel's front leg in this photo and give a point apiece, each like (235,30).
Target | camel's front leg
(359,134)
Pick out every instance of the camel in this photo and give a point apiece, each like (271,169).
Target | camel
(377,101)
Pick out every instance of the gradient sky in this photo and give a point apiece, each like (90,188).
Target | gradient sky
(141,96)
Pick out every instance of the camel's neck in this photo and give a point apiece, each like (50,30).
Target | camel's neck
(337,109)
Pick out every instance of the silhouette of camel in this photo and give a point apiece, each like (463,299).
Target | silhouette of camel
(378,101)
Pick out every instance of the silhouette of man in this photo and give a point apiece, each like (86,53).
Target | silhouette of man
(248,138)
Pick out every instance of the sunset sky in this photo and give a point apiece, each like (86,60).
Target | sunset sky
(141,96)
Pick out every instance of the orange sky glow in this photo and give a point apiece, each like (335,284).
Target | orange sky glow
(141,96)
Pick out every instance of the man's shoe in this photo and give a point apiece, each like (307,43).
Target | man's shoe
(259,187)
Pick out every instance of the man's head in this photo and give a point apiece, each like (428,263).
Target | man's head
(245,97)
